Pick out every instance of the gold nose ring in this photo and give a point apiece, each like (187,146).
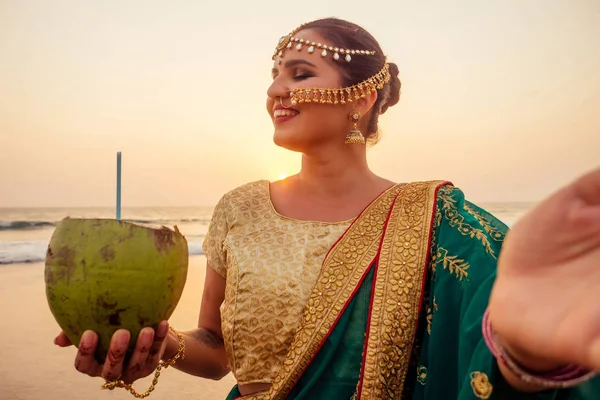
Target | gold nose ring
(281,102)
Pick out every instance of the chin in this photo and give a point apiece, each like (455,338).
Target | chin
(299,138)
(288,141)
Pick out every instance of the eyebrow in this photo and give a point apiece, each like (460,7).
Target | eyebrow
(293,63)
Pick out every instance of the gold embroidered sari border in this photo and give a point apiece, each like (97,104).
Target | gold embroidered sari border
(344,268)
(398,291)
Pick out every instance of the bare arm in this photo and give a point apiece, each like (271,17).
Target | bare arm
(205,353)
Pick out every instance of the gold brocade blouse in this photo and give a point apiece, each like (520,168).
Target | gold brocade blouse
(270,263)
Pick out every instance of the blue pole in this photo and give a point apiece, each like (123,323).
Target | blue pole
(118,185)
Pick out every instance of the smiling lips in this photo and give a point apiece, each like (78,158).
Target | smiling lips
(281,115)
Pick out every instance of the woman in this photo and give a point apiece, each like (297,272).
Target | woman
(337,283)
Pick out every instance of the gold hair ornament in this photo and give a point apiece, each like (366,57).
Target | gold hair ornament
(341,95)
(161,365)
(290,41)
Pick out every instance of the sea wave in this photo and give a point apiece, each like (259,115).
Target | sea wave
(24,225)
(30,251)
(31,225)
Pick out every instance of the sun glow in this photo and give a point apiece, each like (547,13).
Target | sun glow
(282,175)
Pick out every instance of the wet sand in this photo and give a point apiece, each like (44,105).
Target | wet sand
(33,368)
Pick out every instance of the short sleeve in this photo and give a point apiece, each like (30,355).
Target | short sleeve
(213,245)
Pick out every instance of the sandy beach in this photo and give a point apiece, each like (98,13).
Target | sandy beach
(33,368)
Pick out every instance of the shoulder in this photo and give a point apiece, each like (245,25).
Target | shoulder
(450,204)
(243,204)
(467,240)
(454,207)
(235,209)
(247,193)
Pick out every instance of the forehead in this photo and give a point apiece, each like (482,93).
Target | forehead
(309,48)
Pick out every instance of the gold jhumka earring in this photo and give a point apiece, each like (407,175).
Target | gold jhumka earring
(355,136)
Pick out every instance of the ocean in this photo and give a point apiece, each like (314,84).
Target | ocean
(25,232)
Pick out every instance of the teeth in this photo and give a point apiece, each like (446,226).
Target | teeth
(284,113)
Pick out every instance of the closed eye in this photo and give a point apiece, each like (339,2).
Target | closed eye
(298,74)
(301,77)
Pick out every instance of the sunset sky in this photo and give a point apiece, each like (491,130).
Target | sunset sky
(500,97)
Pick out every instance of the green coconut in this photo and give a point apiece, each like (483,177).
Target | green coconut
(107,274)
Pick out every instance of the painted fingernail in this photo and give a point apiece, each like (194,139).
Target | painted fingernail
(161,332)
(123,339)
(146,338)
(86,338)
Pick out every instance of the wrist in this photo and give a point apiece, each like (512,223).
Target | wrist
(171,346)
(544,373)
(531,363)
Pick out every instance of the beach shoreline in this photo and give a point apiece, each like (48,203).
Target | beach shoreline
(34,368)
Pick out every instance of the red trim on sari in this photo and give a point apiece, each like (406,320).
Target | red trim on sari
(362,367)
(362,279)
(426,262)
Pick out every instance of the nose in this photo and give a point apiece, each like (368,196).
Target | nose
(278,89)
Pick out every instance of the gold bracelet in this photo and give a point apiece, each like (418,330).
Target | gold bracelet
(161,364)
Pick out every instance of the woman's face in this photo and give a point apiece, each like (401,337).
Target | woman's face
(307,125)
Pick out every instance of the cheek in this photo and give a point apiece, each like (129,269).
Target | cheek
(269,106)
(332,115)
(327,119)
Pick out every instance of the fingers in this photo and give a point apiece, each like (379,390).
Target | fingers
(156,348)
(113,366)
(137,365)
(85,361)
(62,340)
(588,187)
(148,350)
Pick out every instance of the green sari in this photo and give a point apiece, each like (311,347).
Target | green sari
(397,309)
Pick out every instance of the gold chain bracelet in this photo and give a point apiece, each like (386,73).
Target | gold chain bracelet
(161,365)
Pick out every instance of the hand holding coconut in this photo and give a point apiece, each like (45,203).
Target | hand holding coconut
(108,281)
(148,351)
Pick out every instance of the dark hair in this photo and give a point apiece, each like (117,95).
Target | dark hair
(344,34)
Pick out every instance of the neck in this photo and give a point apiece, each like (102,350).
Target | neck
(337,174)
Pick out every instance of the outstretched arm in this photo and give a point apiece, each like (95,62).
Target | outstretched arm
(205,352)
(454,356)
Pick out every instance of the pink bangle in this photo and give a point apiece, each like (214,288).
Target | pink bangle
(568,376)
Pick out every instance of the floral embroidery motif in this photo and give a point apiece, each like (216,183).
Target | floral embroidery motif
(397,292)
(398,284)
(456,220)
(422,374)
(430,312)
(343,268)
(496,234)
(438,216)
(271,264)
(482,388)
(453,264)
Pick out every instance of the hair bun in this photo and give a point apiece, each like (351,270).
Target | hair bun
(395,85)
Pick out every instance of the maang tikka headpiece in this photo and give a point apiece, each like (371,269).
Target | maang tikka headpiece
(329,95)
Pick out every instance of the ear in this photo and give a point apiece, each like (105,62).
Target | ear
(365,104)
